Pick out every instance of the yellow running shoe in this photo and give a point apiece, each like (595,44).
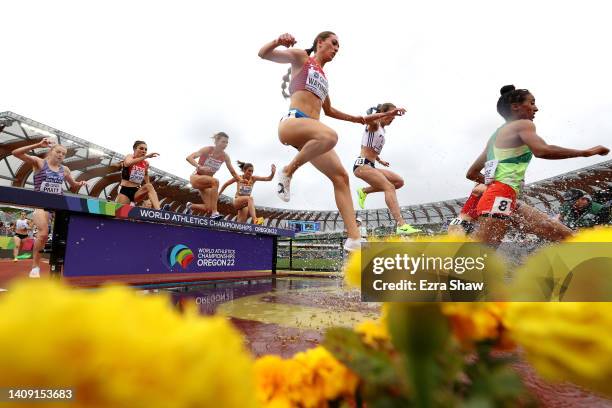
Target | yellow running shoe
(362,196)
(406,229)
(259,221)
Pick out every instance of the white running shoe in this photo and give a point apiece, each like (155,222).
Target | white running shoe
(188,208)
(282,186)
(35,272)
(351,244)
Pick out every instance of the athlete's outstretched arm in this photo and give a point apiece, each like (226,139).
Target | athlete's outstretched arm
(527,133)
(227,184)
(336,114)
(71,181)
(269,178)
(35,161)
(473,172)
(130,159)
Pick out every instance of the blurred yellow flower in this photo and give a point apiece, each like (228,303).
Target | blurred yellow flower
(117,348)
(566,341)
(309,379)
(473,322)
(373,331)
(596,234)
(352,269)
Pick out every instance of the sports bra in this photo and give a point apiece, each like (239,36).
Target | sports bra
(311,78)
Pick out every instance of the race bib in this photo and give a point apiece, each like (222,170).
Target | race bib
(489,171)
(245,190)
(316,83)
(212,165)
(455,221)
(137,175)
(502,206)
(49,187)
(360,161)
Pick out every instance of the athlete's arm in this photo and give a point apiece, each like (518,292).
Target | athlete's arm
(473,172)
(381,161)
(364,120)
(291,56)
(131,160)
(227,184)
(527,133)
(146,176)
(193,156)
(74,185)
(36,162)
(269,178)
(231,169)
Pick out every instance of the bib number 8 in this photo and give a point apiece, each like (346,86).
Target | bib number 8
(502,205)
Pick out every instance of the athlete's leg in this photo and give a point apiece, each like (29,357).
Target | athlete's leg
(379,182)
(533,221)
(122,198)
(203,208)
(17,242)
(330,165)
(251,208)
(147,190)
(241,204)
(395,179)
(41,220)
(213,197)
(203,183)
(491,229)
(311,137)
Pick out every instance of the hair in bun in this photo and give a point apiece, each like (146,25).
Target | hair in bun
(506,88)
(510,95)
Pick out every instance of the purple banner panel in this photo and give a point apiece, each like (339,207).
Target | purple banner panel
(102,246)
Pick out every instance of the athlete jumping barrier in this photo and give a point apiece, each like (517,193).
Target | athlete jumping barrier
(96,241)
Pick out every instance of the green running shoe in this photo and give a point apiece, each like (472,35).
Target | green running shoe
(362,196)
(406,229)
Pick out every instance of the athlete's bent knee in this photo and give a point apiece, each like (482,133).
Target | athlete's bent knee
(330,139)
(340,179)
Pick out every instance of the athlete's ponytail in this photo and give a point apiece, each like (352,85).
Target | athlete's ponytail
(286,78)
(243,165)
(381,108)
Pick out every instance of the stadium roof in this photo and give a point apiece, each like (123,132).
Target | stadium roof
(100,167)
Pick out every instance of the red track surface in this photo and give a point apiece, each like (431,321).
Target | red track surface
(10,270)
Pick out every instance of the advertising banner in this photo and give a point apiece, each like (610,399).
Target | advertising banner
(102,246)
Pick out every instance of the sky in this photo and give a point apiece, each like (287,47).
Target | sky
(173,74)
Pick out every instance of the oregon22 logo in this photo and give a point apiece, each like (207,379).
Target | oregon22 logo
(179,254)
